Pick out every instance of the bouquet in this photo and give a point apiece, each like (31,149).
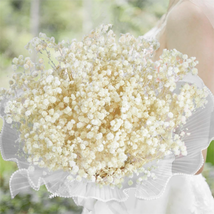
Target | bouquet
(103,110)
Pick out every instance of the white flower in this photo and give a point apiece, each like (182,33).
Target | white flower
(162,147)
(52,99)
(42,35)
(82,146)
(110,179)
(46,102)
(9,120)
(80,125)
(78,178)
(48,118)
(185,64)
(195,71)
(152,128)
(170,70)
(99,136)
(56,115)
(59,150)
(44,113)
(27,113)
(75,169)
(149,142)
(7,110)
(70,178)
(176,70)
(110,136)
(66,99)
(51,111)
(49,79)
(67,110)
(49,143)
(69,125)
(148,122)
(166,124)
(128,125)
(112,151)
(72,163)
(37,99)
(185,56)
(57,82)
(95,122)
(15,60)
(100,148)
(149,77)
(108,72)
(171,123)
(170,115)
(90,135)
(26,66)
(59,90)
(134,146)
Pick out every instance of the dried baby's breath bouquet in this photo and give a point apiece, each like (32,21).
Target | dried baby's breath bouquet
(104,108)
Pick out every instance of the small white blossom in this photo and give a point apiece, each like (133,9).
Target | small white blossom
(49,79)
(170,115)
(185,56)
(27,113)
(99,136)
(46,102)
(195,71)
(110,136)
(66,99)
(149,77)
(26,66)
(67,110)
(78,178)
(59,90)
(9,120)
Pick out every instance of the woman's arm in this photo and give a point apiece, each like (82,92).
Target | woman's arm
(204,152)
(189,31)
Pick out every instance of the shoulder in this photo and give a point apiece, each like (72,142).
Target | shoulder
(188,20)
(187,14)
(189,31)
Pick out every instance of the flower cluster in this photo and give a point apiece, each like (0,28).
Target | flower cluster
(105,109)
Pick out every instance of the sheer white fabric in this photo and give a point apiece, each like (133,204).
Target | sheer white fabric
(169,193)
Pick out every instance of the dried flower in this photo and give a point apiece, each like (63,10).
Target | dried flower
(105,110)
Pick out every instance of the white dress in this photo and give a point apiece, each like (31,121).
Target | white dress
(175,191)
(186,194)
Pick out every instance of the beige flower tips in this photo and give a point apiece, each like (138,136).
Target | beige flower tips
(103,109)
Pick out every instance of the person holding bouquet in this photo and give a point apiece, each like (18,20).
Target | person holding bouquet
(121,126)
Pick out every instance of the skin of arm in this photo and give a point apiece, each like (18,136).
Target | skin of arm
(190,32)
